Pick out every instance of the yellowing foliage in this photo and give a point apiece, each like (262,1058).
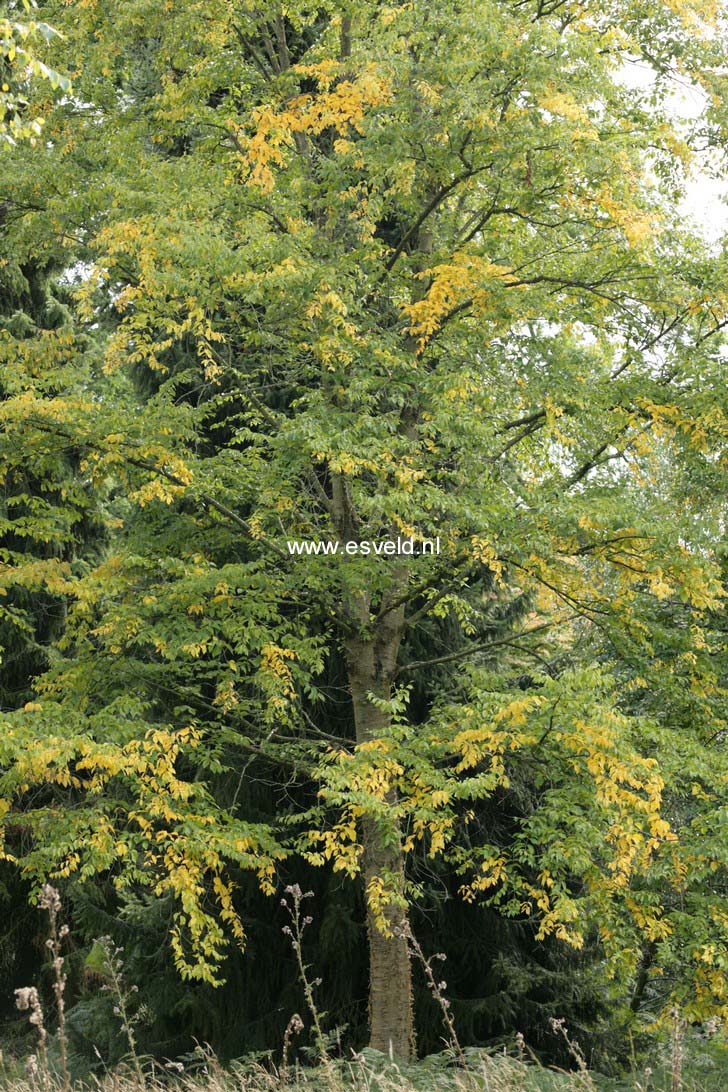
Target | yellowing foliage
(341,105)
(466,279)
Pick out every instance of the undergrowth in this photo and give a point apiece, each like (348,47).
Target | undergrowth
(690,1063)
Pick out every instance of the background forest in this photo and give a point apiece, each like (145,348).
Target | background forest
(341,273)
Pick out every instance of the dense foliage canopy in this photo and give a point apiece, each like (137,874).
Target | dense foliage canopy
(349,274)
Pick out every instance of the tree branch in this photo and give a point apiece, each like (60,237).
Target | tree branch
(211,502)
(463,653)
(428,209)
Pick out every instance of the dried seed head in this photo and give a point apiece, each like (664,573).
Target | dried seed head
(23,997)
(49,898)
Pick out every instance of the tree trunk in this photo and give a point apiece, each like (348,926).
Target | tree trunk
(391,1015)
(371,662)
(371,670)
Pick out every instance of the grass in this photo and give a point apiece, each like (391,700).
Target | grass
(692,1061)
(370,1072)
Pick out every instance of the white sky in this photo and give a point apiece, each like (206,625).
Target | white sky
(706,200)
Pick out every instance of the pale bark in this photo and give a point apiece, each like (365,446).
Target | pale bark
(371,669)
